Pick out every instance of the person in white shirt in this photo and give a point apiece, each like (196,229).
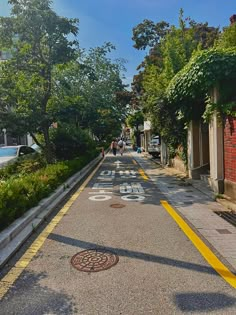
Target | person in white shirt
(121,145)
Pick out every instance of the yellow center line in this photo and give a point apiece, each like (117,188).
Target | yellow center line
(8,280)
(205,251)
(142,173)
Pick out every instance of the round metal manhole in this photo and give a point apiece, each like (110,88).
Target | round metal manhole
(94,260)
(117,205)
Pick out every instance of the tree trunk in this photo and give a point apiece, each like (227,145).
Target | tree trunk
(49,150)
(138,142)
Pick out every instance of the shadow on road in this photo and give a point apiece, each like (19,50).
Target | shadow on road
(134,254)
(31,298)
(203,302)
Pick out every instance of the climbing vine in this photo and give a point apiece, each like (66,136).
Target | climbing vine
(207,69)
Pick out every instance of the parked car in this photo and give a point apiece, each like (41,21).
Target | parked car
(36,147)
(10,154)
(154,147)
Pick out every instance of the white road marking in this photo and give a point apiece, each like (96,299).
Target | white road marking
(127,174)
(100,198)
(118,163)
(133,197)
(131,188)
(106,175)
(102,186)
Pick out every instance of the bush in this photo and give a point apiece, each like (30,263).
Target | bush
(71,142)
(19,193)
(23,165)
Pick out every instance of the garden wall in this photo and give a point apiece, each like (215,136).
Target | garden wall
(230,157)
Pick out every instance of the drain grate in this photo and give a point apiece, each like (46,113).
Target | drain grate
(223,231)
(187,202)
(227,216)
(94,260)
(117,205)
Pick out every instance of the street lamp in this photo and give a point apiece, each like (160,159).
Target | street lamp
(4,130)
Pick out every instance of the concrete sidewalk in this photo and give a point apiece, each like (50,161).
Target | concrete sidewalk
(195,203)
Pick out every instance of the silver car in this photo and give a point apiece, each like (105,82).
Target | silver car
(9,154)
(154,147)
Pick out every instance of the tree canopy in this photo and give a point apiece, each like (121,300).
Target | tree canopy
(50,79)
(171,48)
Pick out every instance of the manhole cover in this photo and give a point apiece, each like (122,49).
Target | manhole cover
(94,260)
(117,205)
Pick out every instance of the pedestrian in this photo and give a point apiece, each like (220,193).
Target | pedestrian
(114,145)
(121,145)
(139,150)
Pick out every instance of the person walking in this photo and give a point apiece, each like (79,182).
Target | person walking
(121,145)
(114,145)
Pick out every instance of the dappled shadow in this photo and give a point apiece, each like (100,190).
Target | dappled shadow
(134,254)
(160,185)
(203,302)
(28,296)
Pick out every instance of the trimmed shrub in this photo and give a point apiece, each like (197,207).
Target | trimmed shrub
(71,142)
(23,165)
(19,194)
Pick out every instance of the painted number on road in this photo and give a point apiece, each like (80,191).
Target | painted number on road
(135,189)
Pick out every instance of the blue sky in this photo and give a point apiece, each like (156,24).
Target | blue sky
(112,20)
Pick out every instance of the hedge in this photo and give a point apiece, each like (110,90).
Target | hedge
(19,194)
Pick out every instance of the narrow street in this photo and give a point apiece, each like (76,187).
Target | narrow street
(119,217)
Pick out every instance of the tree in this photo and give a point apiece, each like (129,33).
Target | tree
(149,34)
(134,121)
(87,92)
(39,41)
(171,48)
(228,37)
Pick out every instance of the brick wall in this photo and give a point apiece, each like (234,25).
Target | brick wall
(230,149)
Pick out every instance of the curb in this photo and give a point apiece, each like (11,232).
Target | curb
(19,231)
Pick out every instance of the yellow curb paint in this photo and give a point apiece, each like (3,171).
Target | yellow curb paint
(205,251)
(141,172)
(8,280)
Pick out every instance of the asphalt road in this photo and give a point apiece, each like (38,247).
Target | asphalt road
(119,216)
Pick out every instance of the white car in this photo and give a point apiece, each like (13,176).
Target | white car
(36,147)
(154,147)
(9,154)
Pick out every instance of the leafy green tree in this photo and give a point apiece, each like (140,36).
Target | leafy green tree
(135,120)
(149,34)
(71,142)
(87,92)
(169,52)
(228,37)
(39,41)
